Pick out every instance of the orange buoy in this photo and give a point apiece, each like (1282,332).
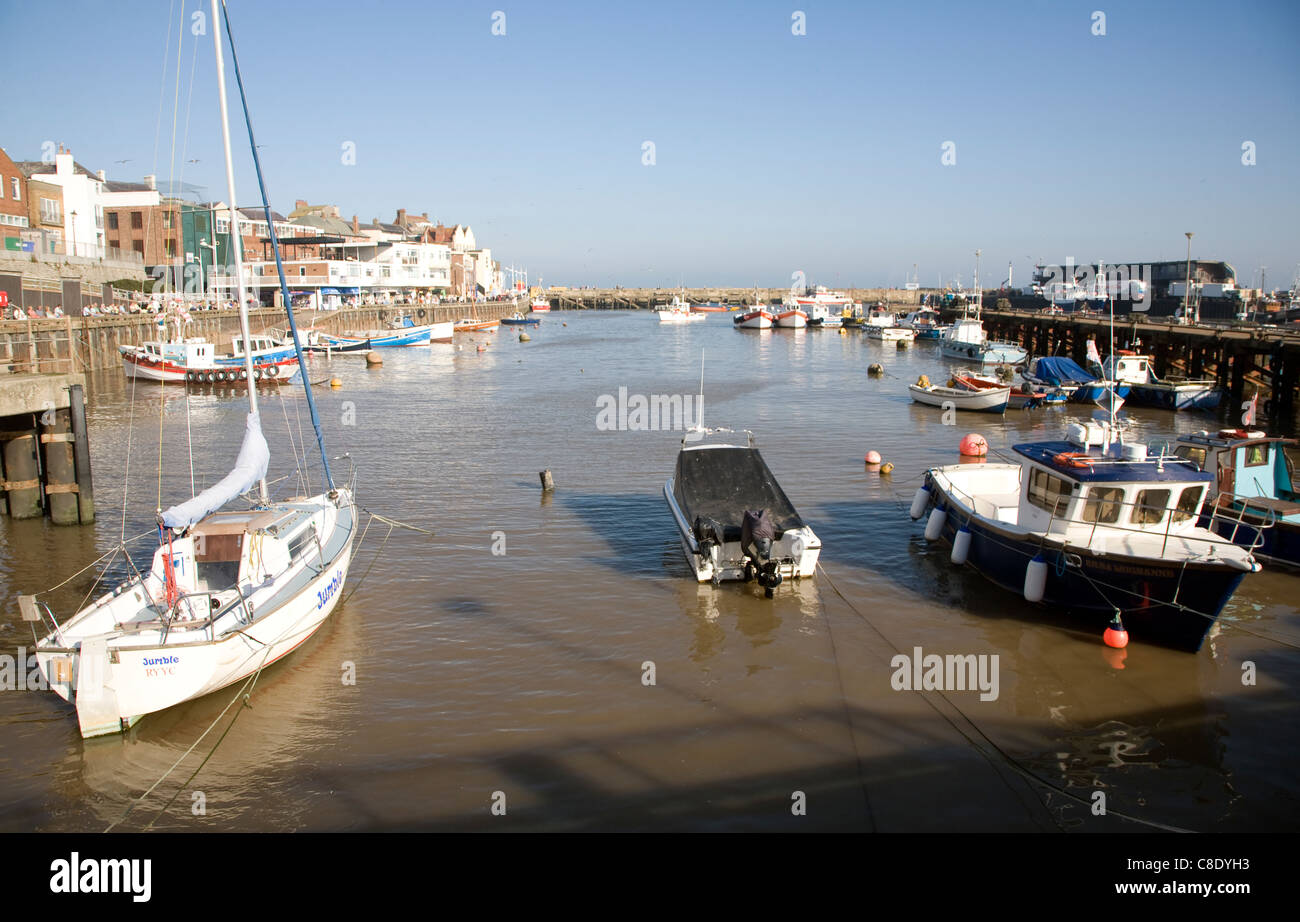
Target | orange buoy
(1115,635)
(872,457)
(973,446)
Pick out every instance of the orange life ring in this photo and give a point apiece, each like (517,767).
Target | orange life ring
(1072,459)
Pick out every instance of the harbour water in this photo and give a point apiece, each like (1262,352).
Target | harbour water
(507,658)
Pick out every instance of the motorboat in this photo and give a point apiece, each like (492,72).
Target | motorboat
(790,318)
(1022,397)
(539,305)
(881,324)
(735,521)
(194,360)
(1065,376)
(678,310)
(1254,485)
(474,325)
(517,319)
(925,323)
(1168,393)
(757,319)
(1092,525)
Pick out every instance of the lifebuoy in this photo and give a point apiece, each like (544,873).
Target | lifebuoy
(273,371)
(1072,459)
(257,374)
(420,313)
(243,374)
(211,377)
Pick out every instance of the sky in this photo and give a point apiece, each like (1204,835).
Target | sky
(773,152)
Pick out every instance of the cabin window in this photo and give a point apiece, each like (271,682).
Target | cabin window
(1256,455)
(303,541)
(1049,492)
(216,560)
(1194,455)
(1104,504)
(1188,502)
(1150,507)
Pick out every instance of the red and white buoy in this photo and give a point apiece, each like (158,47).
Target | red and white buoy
(973,446)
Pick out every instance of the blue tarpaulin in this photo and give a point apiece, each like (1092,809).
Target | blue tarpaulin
(1057,371)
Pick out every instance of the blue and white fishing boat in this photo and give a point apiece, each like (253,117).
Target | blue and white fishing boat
(1170,393)
(519,320)
(967,341)
(1254,482)
(405,332)
(1093,526)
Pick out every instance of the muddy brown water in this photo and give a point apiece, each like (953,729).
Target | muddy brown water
(485,678)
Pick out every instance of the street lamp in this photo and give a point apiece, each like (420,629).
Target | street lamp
(74,233)
(1187,292)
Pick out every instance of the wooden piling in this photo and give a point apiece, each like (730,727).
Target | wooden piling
(81,454)
(22,471)
(60,470)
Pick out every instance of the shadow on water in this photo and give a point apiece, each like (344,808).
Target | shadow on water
(637,527)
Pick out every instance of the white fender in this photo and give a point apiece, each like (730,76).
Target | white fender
(1035,579)
(919,502)
(934,524)
(961,546)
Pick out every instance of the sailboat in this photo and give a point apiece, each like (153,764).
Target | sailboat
(231,590)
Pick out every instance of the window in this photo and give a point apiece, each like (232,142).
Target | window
(1103,505)
(1049,492)
(114,243)
(51,211)
(170,247)
(18,189)
(112,220)
(167,219)
(1194,455)
(138,246)
(1256,455)
(1188,502)
(137,220)
(1150,507)
(99,215)
(223,225)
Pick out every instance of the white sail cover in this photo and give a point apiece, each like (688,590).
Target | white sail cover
(250,467)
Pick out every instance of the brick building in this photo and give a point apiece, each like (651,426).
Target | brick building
(14,217)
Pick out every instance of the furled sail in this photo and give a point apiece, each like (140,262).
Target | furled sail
(250,467)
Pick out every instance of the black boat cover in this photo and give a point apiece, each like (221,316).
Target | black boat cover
(723,483)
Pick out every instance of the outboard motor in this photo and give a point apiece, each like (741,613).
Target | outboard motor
(757,532)
(708,533)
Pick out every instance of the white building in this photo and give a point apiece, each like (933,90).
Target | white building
(83,206)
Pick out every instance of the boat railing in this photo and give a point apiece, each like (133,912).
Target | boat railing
(1055,520)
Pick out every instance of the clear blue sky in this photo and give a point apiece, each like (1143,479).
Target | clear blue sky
(774,152)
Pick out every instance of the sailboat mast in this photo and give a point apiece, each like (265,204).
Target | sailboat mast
(237,243)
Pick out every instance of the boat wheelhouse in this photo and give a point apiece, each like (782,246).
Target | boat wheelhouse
(925,323)
(1254,482)
(1094,526)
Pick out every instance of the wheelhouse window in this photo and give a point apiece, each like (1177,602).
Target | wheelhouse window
(1256,455)
(1150,507)
(1049,492)
(1104,504)
(1188,502)
(1192,454)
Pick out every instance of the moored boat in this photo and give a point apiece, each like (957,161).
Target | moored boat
(791,319)
(1254,485)
(474,325)
(758,319)
(1094,526)
(984,400)
(195,360)
(734,520)
(1168,393)
(1020,398)
(517,319)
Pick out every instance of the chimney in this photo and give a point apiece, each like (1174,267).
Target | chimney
(151,181)
(103,177)
(300,203)
(425,215)
(401,217)
(356,228)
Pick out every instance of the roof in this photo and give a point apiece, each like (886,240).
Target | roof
(112,185)
(1101,469)
(259,214)
(335,226)
(1237,438)
(31,167)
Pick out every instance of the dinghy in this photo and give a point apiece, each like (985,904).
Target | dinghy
(735,521)
(986,400)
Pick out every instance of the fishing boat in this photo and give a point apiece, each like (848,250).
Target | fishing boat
(517,319)
(823,303)
(735,521)
(229,592)
(1095,526)
(539,305)
(1254,484)
(984,400)
(966,339)
(402,332)
(925,323)
(757,319)
(1169,393)
(678,310)
(194,360)
(882,325)
(790,319)
(474,325)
